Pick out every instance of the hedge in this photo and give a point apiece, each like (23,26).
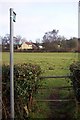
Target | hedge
(75,78)
(26,84)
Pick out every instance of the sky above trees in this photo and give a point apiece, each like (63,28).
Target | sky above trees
(36,18)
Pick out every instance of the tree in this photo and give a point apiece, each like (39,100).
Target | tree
(17,39)
(72,44)
(50,40)
(6,41)
(50,36)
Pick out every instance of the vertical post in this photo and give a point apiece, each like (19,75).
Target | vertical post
(78,30)
(11,66)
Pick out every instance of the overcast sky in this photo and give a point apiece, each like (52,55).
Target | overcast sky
(35,18)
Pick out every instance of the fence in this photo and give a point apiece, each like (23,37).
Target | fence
(58,105)
(58,88)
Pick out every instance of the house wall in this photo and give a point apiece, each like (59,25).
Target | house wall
(25,46)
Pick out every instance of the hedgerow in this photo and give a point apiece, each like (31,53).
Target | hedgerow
(75,78)
(26,84)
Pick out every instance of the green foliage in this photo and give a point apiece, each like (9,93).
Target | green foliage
(75,78)
(26,83)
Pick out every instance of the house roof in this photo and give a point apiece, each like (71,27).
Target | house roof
(28,43)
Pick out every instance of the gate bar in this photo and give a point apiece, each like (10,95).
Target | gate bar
(62,76)
(57,100)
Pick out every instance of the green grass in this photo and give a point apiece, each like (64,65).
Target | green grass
(51,64)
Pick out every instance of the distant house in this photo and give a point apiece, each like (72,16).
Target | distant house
(27,46)
(39,46)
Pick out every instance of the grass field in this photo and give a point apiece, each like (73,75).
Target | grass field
(51,64)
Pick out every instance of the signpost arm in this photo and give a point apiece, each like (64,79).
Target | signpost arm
(11,66)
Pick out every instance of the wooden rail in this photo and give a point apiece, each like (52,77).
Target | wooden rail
(61,87)
(61,76)
(57,100)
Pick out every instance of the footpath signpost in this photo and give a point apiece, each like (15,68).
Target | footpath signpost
(12,19)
